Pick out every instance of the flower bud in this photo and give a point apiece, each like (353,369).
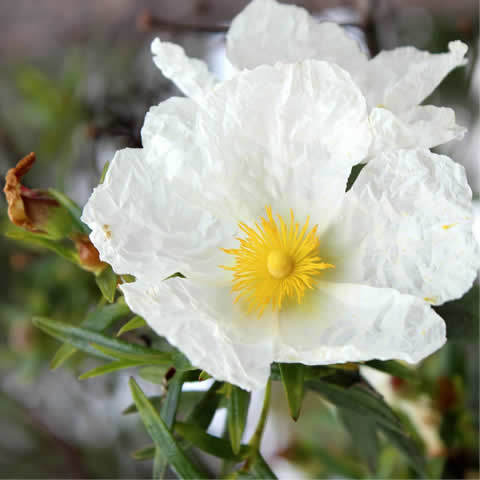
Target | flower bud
(88,255)
(33,209)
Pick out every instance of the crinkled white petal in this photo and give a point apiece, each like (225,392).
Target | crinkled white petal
(407,224)
(402,78)
(342,322)
(206,325)
(141,227)
(191,75)
(172,121)
(266,32)
(285,133)
(420,127)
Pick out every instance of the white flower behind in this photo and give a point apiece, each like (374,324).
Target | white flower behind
(394,82)
(242,189)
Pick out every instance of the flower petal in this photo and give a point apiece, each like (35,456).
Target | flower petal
(342,322)
(208,328)
(191,75)
(407,224)
(402,78)
(421,127)
(173,120)
(141,227)
(266,32)
(285,132)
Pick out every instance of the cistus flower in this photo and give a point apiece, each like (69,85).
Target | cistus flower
(34,210)
(241,188)
(394,82)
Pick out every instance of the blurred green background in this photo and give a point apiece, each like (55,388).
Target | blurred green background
(76,79)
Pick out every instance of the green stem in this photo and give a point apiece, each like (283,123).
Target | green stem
(257,436)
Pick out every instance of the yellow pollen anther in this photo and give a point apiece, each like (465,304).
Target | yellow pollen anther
(279,264)
(275,261)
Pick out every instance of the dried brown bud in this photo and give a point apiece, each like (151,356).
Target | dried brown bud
(88,254)
(32,209)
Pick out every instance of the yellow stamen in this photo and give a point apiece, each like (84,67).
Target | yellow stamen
(274,262)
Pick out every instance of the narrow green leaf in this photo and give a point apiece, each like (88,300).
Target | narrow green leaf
(109,367)
(261,469)
(203,412)
(293,375)
(394,368)
(358,399)
(134,323)
(74,210)
(204,376)
(163,439)
(168,413)
(107,283)
(409,449)
(144,453)
(154,374)
(155,400)
(100,319)
(84,339)
(159,465)
(104,172)
(170,404)
(364,436)
(364,402)
(238,401)
(142,355)
(68,253)
(208,443)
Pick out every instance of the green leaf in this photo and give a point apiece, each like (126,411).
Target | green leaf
(394,368)
(159,465)
(138,354)
(144,453)
(68,253)
(462,316)
(209,443)
(203,412)
(154,374)
(168,413)
(74,210)
(200,439)
(238,401)
(359,400)
(364,436)
(155,400)
(134,323)
(104,172)
(107,283)
(109,367)
(293,375)
(98,320)
(85,339)
(261,469)
(170,404)
(408,447)
(362,401)
(163,439)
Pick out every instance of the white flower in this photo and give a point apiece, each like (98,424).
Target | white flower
(243,191)
(394,82)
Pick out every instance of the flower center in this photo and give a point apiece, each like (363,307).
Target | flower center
(275,262)
(279,264)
